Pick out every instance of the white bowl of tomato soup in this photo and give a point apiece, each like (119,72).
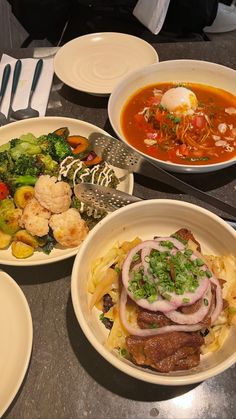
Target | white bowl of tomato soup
(124,330)
(181,114)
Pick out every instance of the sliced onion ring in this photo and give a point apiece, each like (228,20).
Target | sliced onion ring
(159,305)
(193,318)
(219,300)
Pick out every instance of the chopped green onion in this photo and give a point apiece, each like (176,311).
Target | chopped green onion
(206,302)
(135,257)
(186,300)
(123,352)
(208,274)
(117,269)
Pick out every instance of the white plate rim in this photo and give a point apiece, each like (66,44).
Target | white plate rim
(59,55)
(73,251)
(25,306)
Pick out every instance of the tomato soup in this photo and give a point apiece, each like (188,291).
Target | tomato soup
(185,123)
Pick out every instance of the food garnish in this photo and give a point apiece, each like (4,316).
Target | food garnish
(164,302)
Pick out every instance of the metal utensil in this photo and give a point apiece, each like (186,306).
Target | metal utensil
(5,78)
(16,76)
(108,199)
(120,155)
(29,112)
(103,198)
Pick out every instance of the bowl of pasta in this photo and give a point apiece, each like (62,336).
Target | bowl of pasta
(179,113)
(154,291)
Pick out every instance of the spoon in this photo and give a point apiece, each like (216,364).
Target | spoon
(16,76)
(29,112)
(5,78)
(120,155)
(109,199)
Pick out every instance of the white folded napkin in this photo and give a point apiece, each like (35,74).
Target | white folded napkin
(151,13)
(41,94)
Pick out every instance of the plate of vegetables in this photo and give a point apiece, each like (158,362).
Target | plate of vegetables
(41,160)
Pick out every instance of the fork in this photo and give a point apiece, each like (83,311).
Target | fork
(120,155)
(5,78)
(107,199)
(16,76)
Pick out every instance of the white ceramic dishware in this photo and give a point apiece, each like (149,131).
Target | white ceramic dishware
(16,331)
(147,219)
(176,71)
(96,62)
(39,126)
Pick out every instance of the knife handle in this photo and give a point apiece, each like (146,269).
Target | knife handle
(5,78)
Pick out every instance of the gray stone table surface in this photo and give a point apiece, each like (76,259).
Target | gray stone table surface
(66,377)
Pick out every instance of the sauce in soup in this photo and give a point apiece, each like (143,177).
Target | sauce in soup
(185,124)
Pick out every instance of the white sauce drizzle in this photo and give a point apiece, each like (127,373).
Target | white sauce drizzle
(104,178)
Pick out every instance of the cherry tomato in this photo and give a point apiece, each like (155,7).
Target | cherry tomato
(4,191)
(199,121)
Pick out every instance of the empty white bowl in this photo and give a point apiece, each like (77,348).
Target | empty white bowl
(176,71)
(147,219)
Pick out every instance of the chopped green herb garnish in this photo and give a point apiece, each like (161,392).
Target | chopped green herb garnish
(123,352)
(186,300)
(167,273)
(167,243)
(153,326)
(101,317)
(199,262)
(167,296)
(177,120)
(170,116)
(136,257)
(208,274)
(206,302)
(117,269)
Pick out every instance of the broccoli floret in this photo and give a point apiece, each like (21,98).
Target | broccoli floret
(28,165)
(6,164)
(4,147)
(24,147)
(13,143)
(14,181)
(55,146)
(50,166)
(29,138)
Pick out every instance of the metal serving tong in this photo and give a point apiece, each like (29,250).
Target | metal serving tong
(120,155)
(108,199)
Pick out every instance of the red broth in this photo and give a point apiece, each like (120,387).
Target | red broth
(207,136)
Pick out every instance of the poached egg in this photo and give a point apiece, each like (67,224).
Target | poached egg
(180,101)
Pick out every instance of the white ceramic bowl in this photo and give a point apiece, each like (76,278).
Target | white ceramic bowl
(192,71)
(39,126)
(146,219)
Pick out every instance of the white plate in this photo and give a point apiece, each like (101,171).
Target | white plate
(95,63)
(39,126)
(16,332)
